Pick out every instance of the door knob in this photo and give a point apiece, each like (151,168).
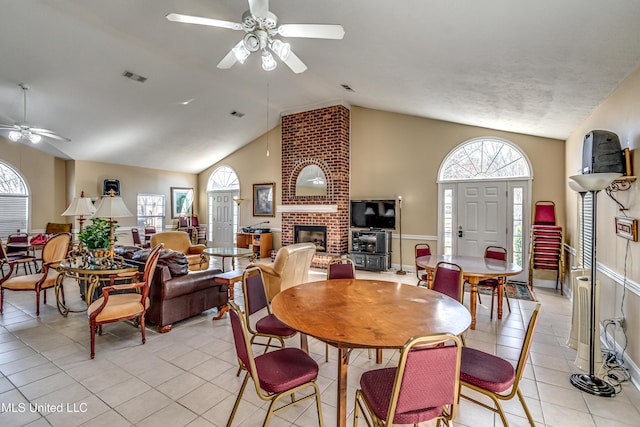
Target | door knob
(460,231)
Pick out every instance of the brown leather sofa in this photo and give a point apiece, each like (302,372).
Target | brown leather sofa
(180,241)
(290,268)
(177,293)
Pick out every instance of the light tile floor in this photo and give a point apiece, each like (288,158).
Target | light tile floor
(187,376)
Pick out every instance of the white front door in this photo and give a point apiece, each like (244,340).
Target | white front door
(481,216)
(220,212)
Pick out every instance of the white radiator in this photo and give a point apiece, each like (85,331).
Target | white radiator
(583,288)
(572,341)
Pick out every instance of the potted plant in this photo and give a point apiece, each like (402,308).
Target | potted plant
(96,235)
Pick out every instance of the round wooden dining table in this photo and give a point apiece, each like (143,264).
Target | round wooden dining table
(362,313)
(474,269)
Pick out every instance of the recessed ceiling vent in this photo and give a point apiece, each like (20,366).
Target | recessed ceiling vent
(135,77)
(347,87)
(237,114)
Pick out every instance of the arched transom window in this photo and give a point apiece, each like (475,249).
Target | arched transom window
(484,158)
(223,178)
(14,200)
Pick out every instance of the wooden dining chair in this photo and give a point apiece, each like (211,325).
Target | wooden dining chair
(53,253)
(499,253)
(496,377)
(18,259)
(115,307)
(424,386)
(279,374)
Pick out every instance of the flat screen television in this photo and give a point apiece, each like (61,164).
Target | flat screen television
(373,214)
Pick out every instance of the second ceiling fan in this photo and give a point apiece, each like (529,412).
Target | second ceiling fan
(261,28)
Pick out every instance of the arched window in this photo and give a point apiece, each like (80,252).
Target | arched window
(14,200)
(484,158)
(223,178)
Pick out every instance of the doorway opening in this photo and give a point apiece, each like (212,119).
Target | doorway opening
(223,212)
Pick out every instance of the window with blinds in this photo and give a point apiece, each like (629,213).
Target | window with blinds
(150,208)
(14,201)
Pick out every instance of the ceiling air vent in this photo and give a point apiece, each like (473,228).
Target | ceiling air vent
(347,87)
(135,77)
(237,114)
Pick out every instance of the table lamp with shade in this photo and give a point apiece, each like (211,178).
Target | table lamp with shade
(111,207)
(80,207)
(589,383)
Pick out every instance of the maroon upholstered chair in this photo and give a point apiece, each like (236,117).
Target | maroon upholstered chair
(22,238)
(278,374)
(492,375)
(544,213)
(422,249)
(341,268)
(447,280)
(499,253)
(255,300)
(424,386)
(135,235)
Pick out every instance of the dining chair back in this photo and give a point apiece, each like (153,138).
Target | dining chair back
(424,386)
(16,259)
(448,280)
(341,268)
(422,249)
(499,253)
(148,232)
(53,253)
(255,300)
(494,376)
(135,235)
(544,213)
(115,307)
(276,375)
(22,238)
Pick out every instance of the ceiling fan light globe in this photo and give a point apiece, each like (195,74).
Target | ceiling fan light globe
(241,53)
(34,138)
(281,49)
(251,42)
(268,63)
(15,135)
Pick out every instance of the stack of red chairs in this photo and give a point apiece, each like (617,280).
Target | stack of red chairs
(546,242)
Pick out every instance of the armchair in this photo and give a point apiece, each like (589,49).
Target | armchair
(290,268)
(179,241)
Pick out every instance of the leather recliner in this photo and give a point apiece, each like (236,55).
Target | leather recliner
(290,268)
(179,241)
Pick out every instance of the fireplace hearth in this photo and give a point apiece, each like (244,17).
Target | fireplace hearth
(316,234)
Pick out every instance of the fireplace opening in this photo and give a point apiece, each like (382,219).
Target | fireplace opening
(316,234)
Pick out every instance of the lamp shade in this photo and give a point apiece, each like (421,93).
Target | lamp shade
(112,207)
(80,206)
(595,181)
(576,187)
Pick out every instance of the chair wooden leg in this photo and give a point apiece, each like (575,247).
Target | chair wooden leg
(44,291)
(1,299)
(141,320)
(92,326)
(37,302)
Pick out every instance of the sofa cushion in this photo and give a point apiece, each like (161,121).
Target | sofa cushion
(189,283)
(175,261)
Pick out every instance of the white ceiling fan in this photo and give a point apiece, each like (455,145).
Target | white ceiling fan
(261,28)
(23,130)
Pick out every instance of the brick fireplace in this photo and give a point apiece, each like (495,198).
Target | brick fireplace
(319,137)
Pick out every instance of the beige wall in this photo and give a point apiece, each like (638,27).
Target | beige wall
(620,113)
(46,177)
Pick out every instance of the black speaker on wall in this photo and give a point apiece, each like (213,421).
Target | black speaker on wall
(111,184)
(601,153)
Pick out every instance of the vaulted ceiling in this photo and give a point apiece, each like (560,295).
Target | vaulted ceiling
(537,68)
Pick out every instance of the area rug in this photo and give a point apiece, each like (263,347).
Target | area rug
(514,290)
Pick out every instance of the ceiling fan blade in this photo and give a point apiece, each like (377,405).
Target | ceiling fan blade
(315,31)
(10,127)
(259,8)
(229,59)
(49,134)
(296,65)
(187,19)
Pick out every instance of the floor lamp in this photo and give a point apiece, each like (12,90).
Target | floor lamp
(589,383)
(400,271)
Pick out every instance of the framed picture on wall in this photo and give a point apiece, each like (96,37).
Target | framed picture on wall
(263,199)
(181,202)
